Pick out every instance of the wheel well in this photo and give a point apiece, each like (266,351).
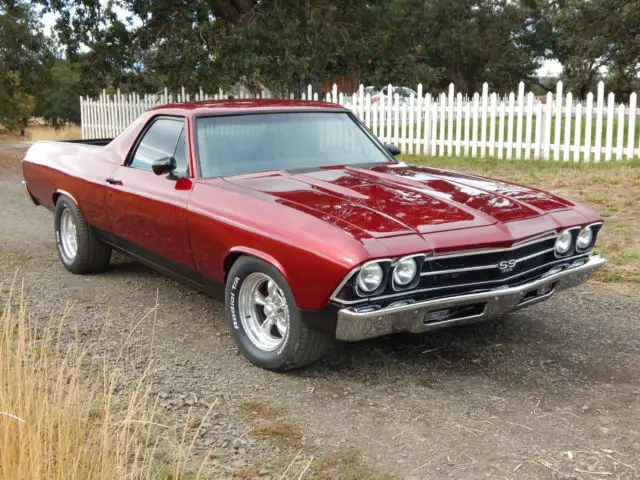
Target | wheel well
(58,193)
(229,261)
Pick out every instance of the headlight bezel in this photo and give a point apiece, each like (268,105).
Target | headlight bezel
(592,239)
(416,259)
(363,292)
(565,232)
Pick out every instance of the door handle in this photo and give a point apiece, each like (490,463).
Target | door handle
(114,181)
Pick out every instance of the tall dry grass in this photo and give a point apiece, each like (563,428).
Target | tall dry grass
(62,419)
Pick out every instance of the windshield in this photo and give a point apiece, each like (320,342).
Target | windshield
(233,145)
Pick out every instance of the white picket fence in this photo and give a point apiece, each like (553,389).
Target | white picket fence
(449,124)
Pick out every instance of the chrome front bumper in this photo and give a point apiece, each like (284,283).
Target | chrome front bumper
(353,325)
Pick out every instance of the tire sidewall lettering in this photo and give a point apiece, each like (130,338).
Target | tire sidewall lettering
(232,303)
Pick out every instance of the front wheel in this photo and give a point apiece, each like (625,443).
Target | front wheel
(265,321)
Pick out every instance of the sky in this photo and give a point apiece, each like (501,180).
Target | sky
(550,68)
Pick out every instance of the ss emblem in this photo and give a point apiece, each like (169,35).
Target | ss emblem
(506,266)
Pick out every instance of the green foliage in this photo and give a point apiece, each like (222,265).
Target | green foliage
(24,55)
(290,43)
(57,103)
(595,38)
(145,45)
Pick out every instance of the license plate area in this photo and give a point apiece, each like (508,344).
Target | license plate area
(454,313)
(542,291)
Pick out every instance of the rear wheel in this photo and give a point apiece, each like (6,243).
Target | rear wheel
(265,321)
(79,249)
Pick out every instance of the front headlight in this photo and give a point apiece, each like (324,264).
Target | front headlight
(405,271)
(370,277)
(563,242)
(585,239)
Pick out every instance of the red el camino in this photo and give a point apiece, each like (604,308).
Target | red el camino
(308,223)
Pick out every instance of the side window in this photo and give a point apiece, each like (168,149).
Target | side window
(159,141)
(180,155)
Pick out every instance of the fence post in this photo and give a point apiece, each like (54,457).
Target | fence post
(511,111)
(631,140)
(546,140)
(520,112)
(527,137)
(567,127)
(458,123)
(620,140)
(410,134)
(474,126)
(83,120)
(609,133)
(389,111)
(467,127)
(587,128)
(578,125)
(483,123)
(396,120)
(539,128)
(374,120)
(434,126)
(599,115)
(382,126)
(427,124)
(420,126)
(558,124)
(450,120)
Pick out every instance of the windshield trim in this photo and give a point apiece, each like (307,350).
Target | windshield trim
(376,141)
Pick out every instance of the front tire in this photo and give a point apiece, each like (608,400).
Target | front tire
(265,321)
(79,249)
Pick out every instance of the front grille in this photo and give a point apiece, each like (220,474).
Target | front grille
(492,266)
(471,272)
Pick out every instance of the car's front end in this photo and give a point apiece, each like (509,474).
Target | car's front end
(328,236)
(421,292)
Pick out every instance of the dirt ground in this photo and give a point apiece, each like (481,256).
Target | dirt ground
(552,392)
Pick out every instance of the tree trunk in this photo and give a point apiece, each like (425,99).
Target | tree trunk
(231,10)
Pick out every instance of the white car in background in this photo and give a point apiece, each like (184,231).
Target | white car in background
(403,93)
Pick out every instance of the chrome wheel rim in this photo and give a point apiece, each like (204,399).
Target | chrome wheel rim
(264,312)
(68,235)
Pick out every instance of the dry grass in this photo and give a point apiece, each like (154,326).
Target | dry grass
(252,409)
(612,189)
(42,132)
(345,464)
(269,422)
(59,420)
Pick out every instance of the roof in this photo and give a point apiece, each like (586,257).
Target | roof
(229,106)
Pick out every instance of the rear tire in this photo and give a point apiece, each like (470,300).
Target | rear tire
(79,249)
(265,321)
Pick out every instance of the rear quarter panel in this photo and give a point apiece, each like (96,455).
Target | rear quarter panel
(78,170)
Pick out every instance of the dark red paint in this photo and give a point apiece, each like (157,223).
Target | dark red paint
(314,227)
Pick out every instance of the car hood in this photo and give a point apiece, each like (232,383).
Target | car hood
(393,199)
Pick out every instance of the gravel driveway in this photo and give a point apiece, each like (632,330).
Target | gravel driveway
(553,392)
